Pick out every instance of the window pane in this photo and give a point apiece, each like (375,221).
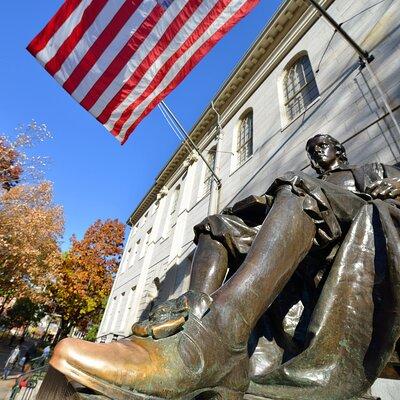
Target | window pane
(175,199)
(245,138)
(208,177)
(300,88)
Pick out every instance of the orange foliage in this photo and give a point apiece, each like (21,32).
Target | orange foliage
(30,230)
(10,165)
(84,278)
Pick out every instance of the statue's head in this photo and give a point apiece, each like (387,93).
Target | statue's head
(325,153)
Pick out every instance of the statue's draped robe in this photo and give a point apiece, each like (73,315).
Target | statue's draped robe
(354,323)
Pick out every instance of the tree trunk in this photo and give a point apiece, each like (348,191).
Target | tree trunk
(63,330)
(3,304)
(25,329)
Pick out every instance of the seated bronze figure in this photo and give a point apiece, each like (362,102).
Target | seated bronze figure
(314,271)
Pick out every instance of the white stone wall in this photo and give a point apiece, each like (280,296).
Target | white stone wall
(348,108)
(386,389)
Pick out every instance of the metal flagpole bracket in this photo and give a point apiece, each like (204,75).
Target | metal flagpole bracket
(364,61)
(365,56)
(186,136)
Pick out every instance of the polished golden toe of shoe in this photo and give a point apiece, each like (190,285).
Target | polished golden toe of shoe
(192,361)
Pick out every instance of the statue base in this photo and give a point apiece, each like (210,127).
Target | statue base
(56,386)
(84,396)
(251,397)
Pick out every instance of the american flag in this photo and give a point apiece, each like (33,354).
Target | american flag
(120,58)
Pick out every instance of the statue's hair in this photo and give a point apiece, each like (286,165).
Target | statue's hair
(339,147)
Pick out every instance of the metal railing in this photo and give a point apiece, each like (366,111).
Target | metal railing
(32,378)
(115,336)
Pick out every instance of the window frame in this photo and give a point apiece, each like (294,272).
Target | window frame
(146,242)
(241,145)
(303,91)
(173,209)
(175,200)
(208,176)
(136,252)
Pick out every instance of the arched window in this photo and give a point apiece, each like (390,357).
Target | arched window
(174,200)
(299,87)
(173,213)
(208,177)
(244,147)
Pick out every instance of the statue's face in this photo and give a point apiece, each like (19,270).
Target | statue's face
(323,154)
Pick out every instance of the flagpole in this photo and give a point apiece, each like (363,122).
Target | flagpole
(215,192)
(362,53)
(365,58)
(186,137)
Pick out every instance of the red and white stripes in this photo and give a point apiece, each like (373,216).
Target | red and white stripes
(120,58)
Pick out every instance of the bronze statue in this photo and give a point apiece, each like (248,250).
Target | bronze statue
(329,242)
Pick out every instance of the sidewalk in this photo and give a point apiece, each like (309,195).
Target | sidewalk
(5,388)
(6,385)
(5,350)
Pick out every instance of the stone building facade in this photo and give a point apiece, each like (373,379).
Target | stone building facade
(299,78)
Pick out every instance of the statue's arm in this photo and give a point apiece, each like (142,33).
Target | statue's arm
(389,186)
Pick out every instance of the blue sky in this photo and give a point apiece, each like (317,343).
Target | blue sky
(95,177)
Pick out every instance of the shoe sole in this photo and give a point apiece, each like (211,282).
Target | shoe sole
(117,393)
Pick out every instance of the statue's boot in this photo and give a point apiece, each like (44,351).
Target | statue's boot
(193,362)
(356,322)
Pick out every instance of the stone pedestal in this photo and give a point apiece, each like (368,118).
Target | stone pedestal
(386,389)
(366,397)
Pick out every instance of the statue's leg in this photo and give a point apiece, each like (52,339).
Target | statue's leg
(209,355)
(209,265)
(356,322)
(285,237)
(209,270)
(222,243)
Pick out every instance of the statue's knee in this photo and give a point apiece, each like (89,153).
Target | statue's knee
(64,350)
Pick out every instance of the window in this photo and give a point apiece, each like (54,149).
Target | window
(143,219)
(173,210)
(208,176)
(174,200)
(125,264)
(155,206)
(127,317)
(244,147)
(119,321)
(111,315)
(299,86)
(135,252)
(146,243)
(148,237)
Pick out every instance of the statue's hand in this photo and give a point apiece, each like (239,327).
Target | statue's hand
(388,188)
(227,211)
(168,318)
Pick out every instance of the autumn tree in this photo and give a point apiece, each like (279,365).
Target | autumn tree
(85,276)
(16,159)
(25,312)
(30,224)
(30,230)
(10,165)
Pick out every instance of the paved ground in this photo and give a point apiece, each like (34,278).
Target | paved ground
(5,350)
(5,385)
